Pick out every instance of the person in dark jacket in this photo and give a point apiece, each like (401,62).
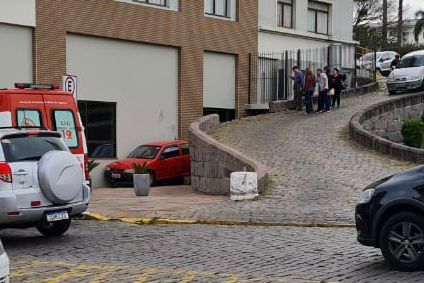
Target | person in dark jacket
(299,79)
(395,63)
(308,89)
(336,82)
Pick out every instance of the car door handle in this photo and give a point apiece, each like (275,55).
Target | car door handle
(21,173)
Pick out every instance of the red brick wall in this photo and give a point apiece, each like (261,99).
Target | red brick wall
(188,29)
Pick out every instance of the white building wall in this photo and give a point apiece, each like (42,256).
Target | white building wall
(409,37)
(17,17)
(143,81)
(219,80)
(273,38)
(18,12)
(15,55)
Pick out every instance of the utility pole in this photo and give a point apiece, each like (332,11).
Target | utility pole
(384,28)
(400,23)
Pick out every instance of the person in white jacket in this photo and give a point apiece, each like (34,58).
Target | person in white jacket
(322,90)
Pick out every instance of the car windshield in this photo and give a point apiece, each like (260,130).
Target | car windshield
(412,61)
(30,147)
(145,152)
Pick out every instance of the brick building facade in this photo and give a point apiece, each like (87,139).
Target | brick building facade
(146,68)
(188,29)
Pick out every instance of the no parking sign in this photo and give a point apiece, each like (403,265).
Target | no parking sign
(70,84)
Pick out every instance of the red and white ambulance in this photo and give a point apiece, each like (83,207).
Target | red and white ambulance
(45,107)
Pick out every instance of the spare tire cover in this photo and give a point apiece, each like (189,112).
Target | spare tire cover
(60,176)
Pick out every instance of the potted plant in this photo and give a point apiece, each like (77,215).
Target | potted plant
(141,179)
(92,164)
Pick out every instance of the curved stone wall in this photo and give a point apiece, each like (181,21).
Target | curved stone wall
(379,126)
(212,162)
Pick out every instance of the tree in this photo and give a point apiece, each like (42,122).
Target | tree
(384,27)
(419,26)
(366,11)
(400,23)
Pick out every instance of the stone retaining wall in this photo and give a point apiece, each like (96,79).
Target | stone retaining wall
(282,105)
(212,162)
(378,126)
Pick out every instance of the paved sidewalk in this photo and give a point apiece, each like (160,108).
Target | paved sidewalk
(163,202)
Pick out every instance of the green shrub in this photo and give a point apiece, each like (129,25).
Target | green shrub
(141,169)
(92,164)
(413,133)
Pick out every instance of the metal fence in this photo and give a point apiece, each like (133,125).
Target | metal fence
(269,75)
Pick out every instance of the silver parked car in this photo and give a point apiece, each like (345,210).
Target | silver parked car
(383,63)
(41,182)
(4,265)
(410,75)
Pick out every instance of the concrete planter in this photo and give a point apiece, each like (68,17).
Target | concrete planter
(141,184)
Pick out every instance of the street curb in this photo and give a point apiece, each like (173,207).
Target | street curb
(163,221)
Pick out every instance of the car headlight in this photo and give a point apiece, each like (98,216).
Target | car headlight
(107,168)
(129,171)
(1,248)
(366,196)
(415,77)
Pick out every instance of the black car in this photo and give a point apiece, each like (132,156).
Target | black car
(390,216)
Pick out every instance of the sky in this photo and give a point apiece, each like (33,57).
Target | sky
(414,5)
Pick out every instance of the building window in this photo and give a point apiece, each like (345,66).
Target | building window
(318,15)
(99,120)
(218,8)
(285,13)
(162,3)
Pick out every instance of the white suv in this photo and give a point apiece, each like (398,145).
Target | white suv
(41,182)
(4,265)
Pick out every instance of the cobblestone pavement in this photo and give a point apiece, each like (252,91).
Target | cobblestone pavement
(317,173)
(116,252)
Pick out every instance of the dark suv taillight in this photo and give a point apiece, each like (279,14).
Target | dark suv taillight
(5,172)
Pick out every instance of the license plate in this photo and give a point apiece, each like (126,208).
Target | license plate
(116,176)
(57,216)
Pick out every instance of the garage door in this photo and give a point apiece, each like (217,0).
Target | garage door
(15,55)
(219,81)
(142,79)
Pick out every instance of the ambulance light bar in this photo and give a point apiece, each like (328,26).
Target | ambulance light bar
(36,86)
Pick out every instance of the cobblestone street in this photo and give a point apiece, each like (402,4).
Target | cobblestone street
(316,172)
(115,252)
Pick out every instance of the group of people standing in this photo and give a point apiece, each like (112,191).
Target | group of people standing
(325,86)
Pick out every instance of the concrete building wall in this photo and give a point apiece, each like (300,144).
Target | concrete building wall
(273,38)
(142,79)
(219,84)
(18,12)
(15,55)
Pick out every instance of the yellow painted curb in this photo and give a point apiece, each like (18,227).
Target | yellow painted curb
(164,221)
(95,216)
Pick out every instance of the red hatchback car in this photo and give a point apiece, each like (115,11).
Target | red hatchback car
(166,160)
